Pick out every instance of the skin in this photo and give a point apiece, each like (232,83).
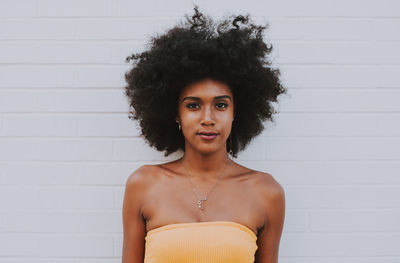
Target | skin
(249,197)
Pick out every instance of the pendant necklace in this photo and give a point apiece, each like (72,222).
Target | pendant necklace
(201,200)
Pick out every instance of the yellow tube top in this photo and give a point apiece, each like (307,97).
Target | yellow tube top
(201,242)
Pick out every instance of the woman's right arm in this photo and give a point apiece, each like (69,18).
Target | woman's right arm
(134,226)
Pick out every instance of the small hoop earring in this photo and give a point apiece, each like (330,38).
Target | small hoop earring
(179,125)
(230,144)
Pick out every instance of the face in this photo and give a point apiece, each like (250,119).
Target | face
(206,107)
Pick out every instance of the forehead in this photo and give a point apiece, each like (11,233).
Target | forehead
(206,89)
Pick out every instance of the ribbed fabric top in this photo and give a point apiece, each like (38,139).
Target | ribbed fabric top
(201,242)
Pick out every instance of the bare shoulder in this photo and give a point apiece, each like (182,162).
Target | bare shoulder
(267,185)
(139,181)
(270,192)
(134,226)
(141,176)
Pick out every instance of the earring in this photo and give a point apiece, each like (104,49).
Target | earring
(230,141)
(230,144)
(179,123)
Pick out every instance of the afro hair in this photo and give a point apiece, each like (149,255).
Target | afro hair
(199,49)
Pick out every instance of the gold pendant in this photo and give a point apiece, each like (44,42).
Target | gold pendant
(200,203)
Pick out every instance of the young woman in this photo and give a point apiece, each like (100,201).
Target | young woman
(204,89)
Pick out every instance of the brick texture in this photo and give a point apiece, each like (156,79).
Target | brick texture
(67,145)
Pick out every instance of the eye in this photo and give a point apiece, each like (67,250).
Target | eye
(190,105)
(223,105)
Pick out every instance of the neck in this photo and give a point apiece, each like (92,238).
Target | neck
(205,166)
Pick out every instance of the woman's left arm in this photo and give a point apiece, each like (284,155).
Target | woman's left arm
(273,197)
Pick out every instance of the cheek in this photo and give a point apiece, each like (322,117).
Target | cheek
(227,127)
(189,120)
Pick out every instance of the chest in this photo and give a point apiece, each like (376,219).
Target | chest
(170,201)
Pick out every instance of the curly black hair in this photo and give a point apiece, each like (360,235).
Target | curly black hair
(201,49)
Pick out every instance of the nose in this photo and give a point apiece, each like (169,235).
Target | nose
(207,116)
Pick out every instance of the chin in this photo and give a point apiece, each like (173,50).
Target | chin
(210,149)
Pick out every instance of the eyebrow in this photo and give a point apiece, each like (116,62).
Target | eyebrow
(215,98)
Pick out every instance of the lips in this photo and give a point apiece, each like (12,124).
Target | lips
(207,135)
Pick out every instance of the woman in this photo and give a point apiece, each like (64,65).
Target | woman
(204,89)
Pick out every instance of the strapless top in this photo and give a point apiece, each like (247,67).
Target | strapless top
(201,242)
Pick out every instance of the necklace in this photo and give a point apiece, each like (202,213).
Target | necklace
(201,200)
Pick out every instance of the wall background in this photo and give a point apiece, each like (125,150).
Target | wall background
(67,145)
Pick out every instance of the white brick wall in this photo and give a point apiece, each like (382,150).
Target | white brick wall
(67,145)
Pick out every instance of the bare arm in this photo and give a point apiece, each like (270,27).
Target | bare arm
(133,224)
(269,236)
